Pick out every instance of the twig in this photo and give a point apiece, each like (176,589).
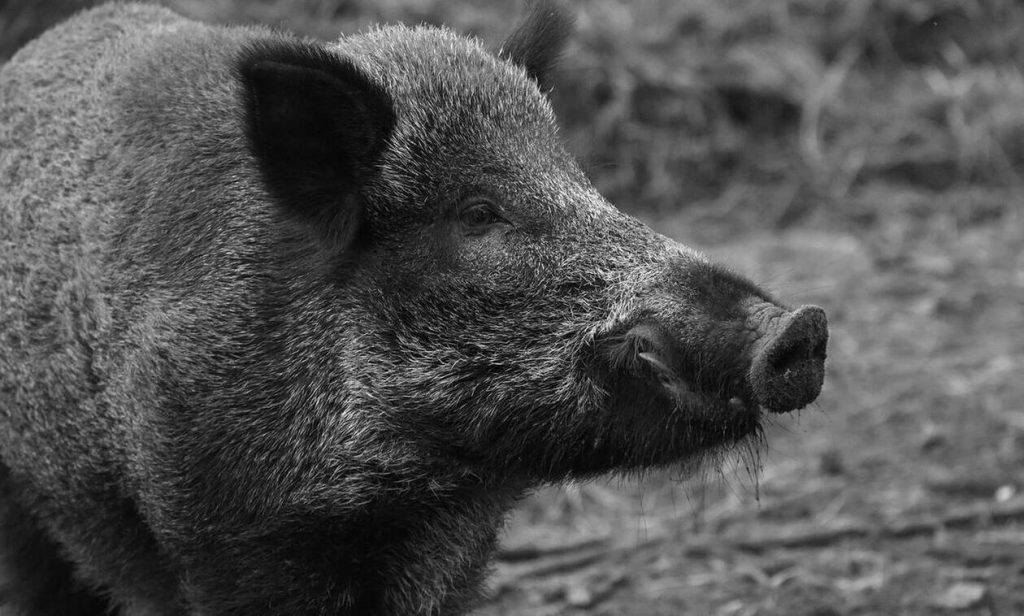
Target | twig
(533,552)
(538,562)
(986,515)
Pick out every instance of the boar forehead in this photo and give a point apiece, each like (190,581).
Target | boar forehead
(434,69)
(468,121)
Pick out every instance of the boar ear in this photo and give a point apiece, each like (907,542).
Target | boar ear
(317,126)
(538,41)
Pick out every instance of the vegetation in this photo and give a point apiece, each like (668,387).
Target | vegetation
(865,155)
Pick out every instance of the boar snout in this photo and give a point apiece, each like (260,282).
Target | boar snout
(772,359)
(788,366)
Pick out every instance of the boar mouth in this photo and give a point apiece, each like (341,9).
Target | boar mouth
(650,371)
(728,404)
(676,387)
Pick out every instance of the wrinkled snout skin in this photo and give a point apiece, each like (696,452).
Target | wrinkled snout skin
(289,327)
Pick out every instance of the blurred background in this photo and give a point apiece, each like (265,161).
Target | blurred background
(863,155)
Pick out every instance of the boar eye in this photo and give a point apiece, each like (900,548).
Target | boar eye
(477,216)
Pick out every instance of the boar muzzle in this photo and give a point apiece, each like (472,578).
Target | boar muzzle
(773,359)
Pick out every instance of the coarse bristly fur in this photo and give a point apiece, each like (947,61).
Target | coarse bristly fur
(289,327)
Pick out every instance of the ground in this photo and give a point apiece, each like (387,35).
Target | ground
(861,155)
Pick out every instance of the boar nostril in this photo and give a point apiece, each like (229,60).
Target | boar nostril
(788,372)
(790,356)
(819,349)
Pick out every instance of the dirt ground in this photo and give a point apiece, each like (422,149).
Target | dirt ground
(863,155)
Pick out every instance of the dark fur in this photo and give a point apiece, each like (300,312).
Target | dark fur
(288,328)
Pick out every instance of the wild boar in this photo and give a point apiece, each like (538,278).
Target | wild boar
(289,327)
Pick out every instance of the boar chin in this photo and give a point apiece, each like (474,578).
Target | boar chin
(672,422)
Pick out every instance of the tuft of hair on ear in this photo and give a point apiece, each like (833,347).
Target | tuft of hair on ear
(317,126)
(539,39)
